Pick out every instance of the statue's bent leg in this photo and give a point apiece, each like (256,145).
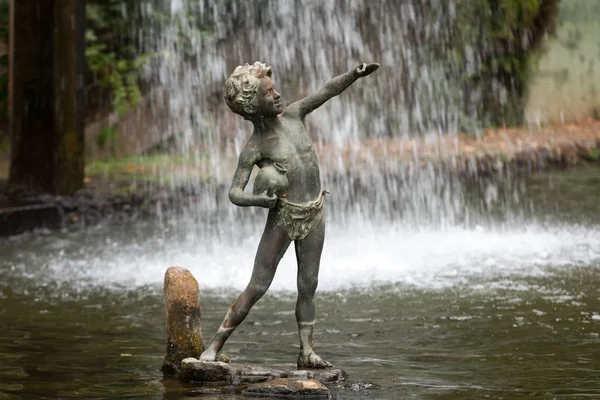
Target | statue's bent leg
(308,253)
(272,247)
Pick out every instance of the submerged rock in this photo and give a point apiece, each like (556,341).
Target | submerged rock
(221,378)
(193,369)
(184,318)
(288,387)
(215,372)
(253,374)
(332,375)
(300,374)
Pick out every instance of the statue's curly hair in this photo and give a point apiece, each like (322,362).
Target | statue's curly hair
(241,88)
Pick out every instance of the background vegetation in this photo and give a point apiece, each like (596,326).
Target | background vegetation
(115,55)
(504,36)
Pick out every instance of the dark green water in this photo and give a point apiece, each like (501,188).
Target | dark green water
(510,338)
(477,327)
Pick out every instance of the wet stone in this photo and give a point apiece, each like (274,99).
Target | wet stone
(250,374)
(216,373)
(277,381)
(289,388)
(184,318)
(332,375)
(300,374)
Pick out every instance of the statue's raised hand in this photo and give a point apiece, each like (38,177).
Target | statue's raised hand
(366,69)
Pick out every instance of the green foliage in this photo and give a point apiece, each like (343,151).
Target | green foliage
(107,137)
(119,45)
(594,155)
(118,74)
(506,37)
(111,52)
(143,167)
(114,59)
(193,26)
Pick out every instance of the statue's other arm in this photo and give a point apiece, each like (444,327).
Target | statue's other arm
(241,176)
(332,88)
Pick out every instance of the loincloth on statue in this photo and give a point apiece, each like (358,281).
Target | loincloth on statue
(299,219)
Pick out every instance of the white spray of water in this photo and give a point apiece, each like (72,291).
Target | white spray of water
(357,256)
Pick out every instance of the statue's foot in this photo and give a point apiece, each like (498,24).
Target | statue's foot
(208,356)
(312,360)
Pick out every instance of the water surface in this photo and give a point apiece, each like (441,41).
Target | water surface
(506,309)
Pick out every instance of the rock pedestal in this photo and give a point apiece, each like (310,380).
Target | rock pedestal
(184,336)
(288,387)
(184,318)
(277,381)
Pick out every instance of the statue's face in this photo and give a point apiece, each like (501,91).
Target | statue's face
(269,99)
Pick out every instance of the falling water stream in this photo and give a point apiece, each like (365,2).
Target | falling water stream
(431,285)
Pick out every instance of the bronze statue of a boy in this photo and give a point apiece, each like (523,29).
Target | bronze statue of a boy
(293,194)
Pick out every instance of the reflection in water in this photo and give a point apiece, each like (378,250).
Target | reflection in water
(527,337)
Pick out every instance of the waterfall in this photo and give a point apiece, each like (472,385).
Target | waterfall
(398,212)
(415,103)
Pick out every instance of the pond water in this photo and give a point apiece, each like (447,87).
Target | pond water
(496,310)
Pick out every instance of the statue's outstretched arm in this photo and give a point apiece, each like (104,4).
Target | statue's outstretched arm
(332,88)
(240,180)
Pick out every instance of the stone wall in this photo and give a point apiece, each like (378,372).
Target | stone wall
(566,85)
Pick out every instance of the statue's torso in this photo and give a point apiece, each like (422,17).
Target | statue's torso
(290,146)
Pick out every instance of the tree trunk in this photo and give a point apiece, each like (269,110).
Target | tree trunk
(46,98)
